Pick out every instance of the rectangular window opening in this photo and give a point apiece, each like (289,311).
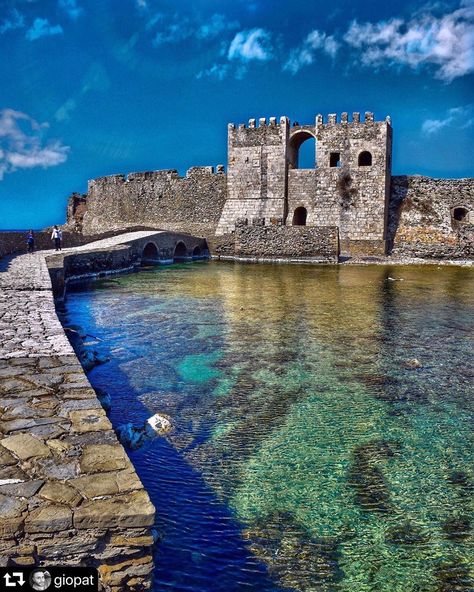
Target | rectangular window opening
(335,159)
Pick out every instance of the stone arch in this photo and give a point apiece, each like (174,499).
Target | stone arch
(197,251)
(460,214)
(365,158)
(299,216)
(295,143)
(180,251)
(150,253)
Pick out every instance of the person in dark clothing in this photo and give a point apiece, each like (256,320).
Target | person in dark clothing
(30,241)
(57,235)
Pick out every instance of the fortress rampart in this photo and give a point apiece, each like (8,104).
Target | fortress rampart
(161,199)
(348,187)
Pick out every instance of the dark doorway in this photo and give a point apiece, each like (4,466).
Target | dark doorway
(299,217)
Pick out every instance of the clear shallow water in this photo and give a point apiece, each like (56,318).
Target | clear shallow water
(306,455)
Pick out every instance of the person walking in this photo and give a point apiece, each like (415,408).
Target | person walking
(57,235)
(30,241)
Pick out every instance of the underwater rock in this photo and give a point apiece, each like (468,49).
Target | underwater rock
(294,558)
(460,478)
(406,534)
(413,364)
(134,437)
(454,577)
(367,479)
(104,399)
(457,528)
(160,424)
(130,436)
(90,358)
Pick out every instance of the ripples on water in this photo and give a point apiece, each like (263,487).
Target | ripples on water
(306,455)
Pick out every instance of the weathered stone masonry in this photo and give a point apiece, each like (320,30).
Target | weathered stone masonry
(162,199)
(350,187)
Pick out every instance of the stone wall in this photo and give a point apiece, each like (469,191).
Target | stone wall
(421,218)
(158,199)
(292,242)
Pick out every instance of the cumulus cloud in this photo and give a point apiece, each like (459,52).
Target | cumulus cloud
(22,145)
(41,27)
(306,53)
(460,117)
(251,44)
(444,42)
(14,21)
(71,8)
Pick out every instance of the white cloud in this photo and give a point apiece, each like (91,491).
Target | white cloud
(174,32)
(218,71)
(216,26)
(306,53)
(14,21)
(444,42)
(71,8)
(22,145)
(459,117)
(252,44)
(41,27)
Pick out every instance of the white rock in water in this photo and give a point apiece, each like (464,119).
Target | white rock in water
(159,423)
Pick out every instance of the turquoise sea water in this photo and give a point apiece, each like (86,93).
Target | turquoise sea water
(307,454)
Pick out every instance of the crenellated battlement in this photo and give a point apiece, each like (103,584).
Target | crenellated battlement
(330,119)
(262,122)
(159,176)
(345,118)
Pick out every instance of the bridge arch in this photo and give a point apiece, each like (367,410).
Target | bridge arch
(180,251)
(150,253)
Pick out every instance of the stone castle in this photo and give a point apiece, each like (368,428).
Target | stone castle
(266,206)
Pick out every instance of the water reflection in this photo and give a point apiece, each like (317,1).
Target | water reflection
(345,468)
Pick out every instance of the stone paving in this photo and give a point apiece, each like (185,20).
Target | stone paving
(68,492)
(28,322)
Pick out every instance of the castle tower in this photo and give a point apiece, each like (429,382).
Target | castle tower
(348,187)
(256,173)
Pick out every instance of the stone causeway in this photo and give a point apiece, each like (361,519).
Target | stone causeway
(68,491)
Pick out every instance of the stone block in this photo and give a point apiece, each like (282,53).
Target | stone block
(129,510)
(25,446)
(49,518)
(107,483)
(60,493)
(99,458)
(89,420)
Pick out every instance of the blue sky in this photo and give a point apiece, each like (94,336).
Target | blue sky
(95,87)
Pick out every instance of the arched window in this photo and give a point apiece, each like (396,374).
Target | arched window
(302,150)
(365,158)
(460,214)
(299,216)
